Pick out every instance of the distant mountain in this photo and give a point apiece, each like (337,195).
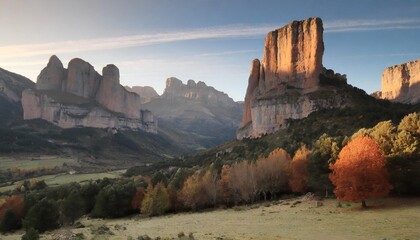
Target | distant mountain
(146,93)
(11,88)
(205,115)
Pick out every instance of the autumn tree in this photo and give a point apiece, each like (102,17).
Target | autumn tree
(272,174)
(156,201)
(298,181)
(138,198)
(360,172)
(237,183)
(11,213)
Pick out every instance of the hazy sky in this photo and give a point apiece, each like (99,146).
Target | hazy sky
(206,40)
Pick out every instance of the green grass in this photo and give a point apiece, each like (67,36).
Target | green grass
(64,178)
(34,162)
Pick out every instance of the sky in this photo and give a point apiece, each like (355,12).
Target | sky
(213,41)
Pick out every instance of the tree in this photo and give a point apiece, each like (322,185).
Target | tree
(115,200)
(15,203)
(138,198)
(156,201)
(9,221)
(325,151)
(298,181)
(410,123)
(72,207)
(360,172)
(271,173)
(47,210)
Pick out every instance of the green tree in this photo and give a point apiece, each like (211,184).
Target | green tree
(47,210)
(115,200)
(325,151)
(410,123)
(72,207)
(156,201)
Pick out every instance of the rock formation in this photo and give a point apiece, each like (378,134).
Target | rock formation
(401,83)
(280,87)
(207,116)
(146,93)
(12,85)
(196,91)
(80,97)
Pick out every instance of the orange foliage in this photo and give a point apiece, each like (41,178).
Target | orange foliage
(15,202)
(298,181)
(271,172)
(138,198)
(199,190)
(360,172)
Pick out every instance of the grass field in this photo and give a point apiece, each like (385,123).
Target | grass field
(287,219)
(33,162)
(59,179)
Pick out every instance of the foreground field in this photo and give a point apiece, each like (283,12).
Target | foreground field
(286,219)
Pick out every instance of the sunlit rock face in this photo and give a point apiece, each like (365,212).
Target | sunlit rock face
(280,86)
(80,97)
(401,83)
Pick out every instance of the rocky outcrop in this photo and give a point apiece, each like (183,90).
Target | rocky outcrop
(401,83)
(79,96)
(281,87)
(146,93)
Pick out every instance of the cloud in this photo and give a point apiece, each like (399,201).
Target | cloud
(357,25)
(222,32)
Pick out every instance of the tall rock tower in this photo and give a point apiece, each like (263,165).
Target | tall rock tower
(291,68)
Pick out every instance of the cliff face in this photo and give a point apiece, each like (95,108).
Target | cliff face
(280,87)
(79,96)
(401,83)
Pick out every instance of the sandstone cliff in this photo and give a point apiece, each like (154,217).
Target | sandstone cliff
(79,96)
(281,86)
(401,83)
